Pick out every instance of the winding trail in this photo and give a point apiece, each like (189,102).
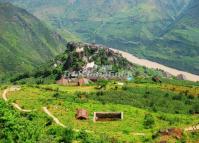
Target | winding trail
(19,108)
(12,89)
(56,120)
(192,128)
(149,64)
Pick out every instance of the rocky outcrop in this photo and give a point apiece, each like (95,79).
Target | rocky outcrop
(83,54)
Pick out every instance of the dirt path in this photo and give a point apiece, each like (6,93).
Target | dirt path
(19,108)
(4,95)
(192,128)
(45,109)
(56,120)
(139,134)
(12,89)
(143,62)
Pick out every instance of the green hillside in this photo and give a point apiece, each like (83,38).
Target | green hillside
(178,46)
(25,42)
(55,88)
(149,109)
(104,59)
(145,28)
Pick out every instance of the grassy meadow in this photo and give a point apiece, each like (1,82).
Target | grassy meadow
(133,99)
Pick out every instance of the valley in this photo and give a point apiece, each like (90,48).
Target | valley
(150,64)
(155,108)
(157,30)
(99,71)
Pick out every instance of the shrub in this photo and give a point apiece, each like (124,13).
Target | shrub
(124,87)
(39,81)
(67,136)
(177,97)
(100,93)
(194,109)
(57,95)
(148,121)
(84,137)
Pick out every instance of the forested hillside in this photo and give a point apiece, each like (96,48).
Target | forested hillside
(178,46)
(146,28)
(25,41)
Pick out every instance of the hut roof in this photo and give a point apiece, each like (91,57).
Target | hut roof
(62,81)
(83,81)
(82,114)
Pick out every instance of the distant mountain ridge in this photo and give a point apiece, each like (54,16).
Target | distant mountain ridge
(179,45)
(25,42)
(146,28)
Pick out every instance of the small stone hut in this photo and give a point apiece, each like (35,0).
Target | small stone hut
(62,81)
(81,114)
(107,116)
(83,81)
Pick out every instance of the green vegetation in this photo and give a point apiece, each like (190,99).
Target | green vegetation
(151,103)
(37,127)
(176,99)
(149,121)
(179,45)
(105,60)
(162,31)
(62,102)
(25,42)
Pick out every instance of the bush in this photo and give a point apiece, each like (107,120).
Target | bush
(100,93)
(16,128)
(57,95)
(177,97)
(67,136)
(125,88)
(84,137)
(194,109)
(148,121)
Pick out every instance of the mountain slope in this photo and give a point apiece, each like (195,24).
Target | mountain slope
(87,60)
(142,27)
(24,41)
(107,20)
(179,47)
